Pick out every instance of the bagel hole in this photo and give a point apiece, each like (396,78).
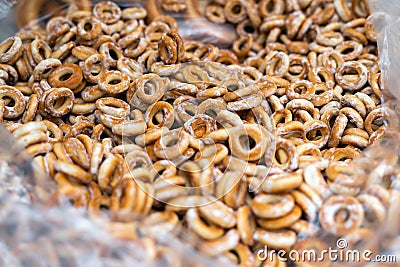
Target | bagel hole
(347,50)
(255,64)
(332,62)
(237,9)
(139,163)
(386,181)
(159,30)
(50,134)
(212,113)
(158,117)
(47,71)
(216,13)
(161,171)
(342,215)
(344,158)
(103,135)
(377,123)
(296,69)
(114,105)
(107,12)
(314,135)
(280,121)
(8,47)
(250,75)
(199,129)
(104,207)
(300,89)
(87,131)
(247,142)
(96,69)
(309,153)
(113,54)
(294,134)
(211,86)
(321,77)
(319,90)
(332,121)
(298,118)
(351,125)
(88,26)
(202,53)
(226,61)
(281,156)
(8,101)
(149,90)
(269,7)
(59,102)
(236,255)
(350,71)
(369,214)
(242,44)
(133,45)
(351,77)
(249,29)
(233,87)
(277,65)
(115,81)
(206,222)
(65,77)
(274,200)
(190,112)
(42,52)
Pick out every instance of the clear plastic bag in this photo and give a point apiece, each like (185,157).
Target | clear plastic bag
(35,233)
(24,212)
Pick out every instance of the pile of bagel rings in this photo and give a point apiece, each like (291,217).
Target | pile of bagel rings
(232,122)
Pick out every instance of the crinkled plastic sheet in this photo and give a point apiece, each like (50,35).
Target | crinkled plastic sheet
(37,234)
(197,27)
(382,160)
(192,26)
(40,235)
(34,232)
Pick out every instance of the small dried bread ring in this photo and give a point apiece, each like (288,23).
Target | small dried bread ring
(67,75)
(272,206)
(340,215)
(113,82)
(11,50)
(171,48)
(59,102)
(18,107)
(107,11)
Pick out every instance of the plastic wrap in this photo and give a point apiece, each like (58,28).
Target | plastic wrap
(35,233)
(387,23)
(70,239)
(193,25)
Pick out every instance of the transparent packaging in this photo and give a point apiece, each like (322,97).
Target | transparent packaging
(36,233)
